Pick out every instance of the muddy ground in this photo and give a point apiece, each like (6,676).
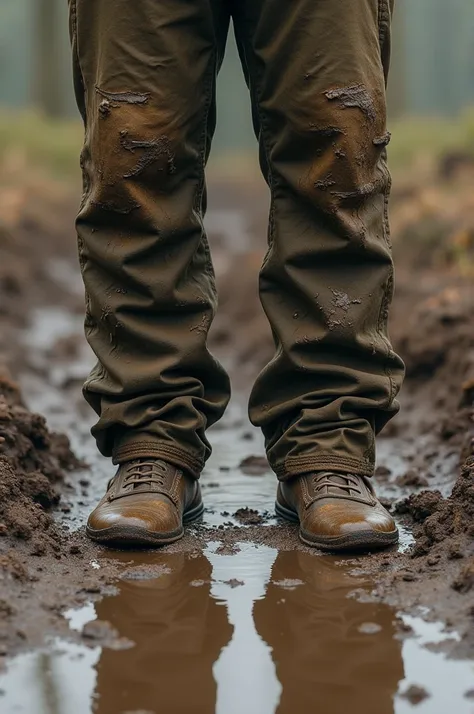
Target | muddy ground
(425,469)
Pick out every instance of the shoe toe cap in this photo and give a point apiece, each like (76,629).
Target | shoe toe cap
(152,516)
(339,519)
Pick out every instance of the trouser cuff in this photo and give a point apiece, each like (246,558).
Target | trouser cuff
(299,465)
(180,458)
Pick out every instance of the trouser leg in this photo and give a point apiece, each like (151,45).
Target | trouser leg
(145,83)
(317,72)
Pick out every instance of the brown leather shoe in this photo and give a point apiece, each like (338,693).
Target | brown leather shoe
(336,511)
(146,503)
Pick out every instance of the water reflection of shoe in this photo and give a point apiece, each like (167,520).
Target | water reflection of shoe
(332,653)
(178,631)
(336,511)
(146,504)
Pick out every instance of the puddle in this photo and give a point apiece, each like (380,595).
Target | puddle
(260,632)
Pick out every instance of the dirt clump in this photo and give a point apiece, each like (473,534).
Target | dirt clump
(419,506)
(102,633)
(32,465)
(442,556)
(412,478)
(254,466)
(415,694)
(445,522)
(234,583)
(464,582)
(248,516)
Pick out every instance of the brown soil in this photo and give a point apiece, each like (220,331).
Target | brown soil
(32,466)
(44,568)
(249,516)
(254,465)
(415,694)
(35,222)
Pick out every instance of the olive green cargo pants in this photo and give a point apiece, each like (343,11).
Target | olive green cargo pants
(145,75)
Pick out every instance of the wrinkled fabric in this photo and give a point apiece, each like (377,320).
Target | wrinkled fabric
(145,75)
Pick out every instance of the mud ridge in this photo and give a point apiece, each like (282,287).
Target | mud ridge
(33,462)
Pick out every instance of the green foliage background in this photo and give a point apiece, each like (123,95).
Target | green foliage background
(432,67)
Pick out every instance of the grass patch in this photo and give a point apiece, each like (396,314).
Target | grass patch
(50,145)
(431,137)
(54,145)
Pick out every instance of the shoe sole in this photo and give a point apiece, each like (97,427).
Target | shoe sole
(133,536)
(360,540)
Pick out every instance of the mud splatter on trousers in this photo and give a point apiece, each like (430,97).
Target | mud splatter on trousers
(145,76)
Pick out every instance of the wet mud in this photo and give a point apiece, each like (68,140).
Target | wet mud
(33,462)
(240,610)
(295,627)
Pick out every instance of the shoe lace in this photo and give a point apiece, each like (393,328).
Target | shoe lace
(347,483)
(141,472)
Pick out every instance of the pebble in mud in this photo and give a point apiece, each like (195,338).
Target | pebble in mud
(288,583)
(382,472)
(92,588)
(150,572)
(455,551)
(403,628)
(369,628)
(412,478)
(97,630)
(464,582)
(228,549)
(415,694)
(234,583)
(6,609)
(199,583)
(249,516)
(254,466)
(102,632)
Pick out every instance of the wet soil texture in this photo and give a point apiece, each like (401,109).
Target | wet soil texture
(239,616)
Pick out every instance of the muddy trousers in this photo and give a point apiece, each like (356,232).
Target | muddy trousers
(145,76)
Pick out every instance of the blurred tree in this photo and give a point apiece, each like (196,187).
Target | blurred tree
(48,86)
(432,69)
(397,91)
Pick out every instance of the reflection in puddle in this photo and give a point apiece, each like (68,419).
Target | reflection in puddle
(257,632)
(245,672)
(57,682)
